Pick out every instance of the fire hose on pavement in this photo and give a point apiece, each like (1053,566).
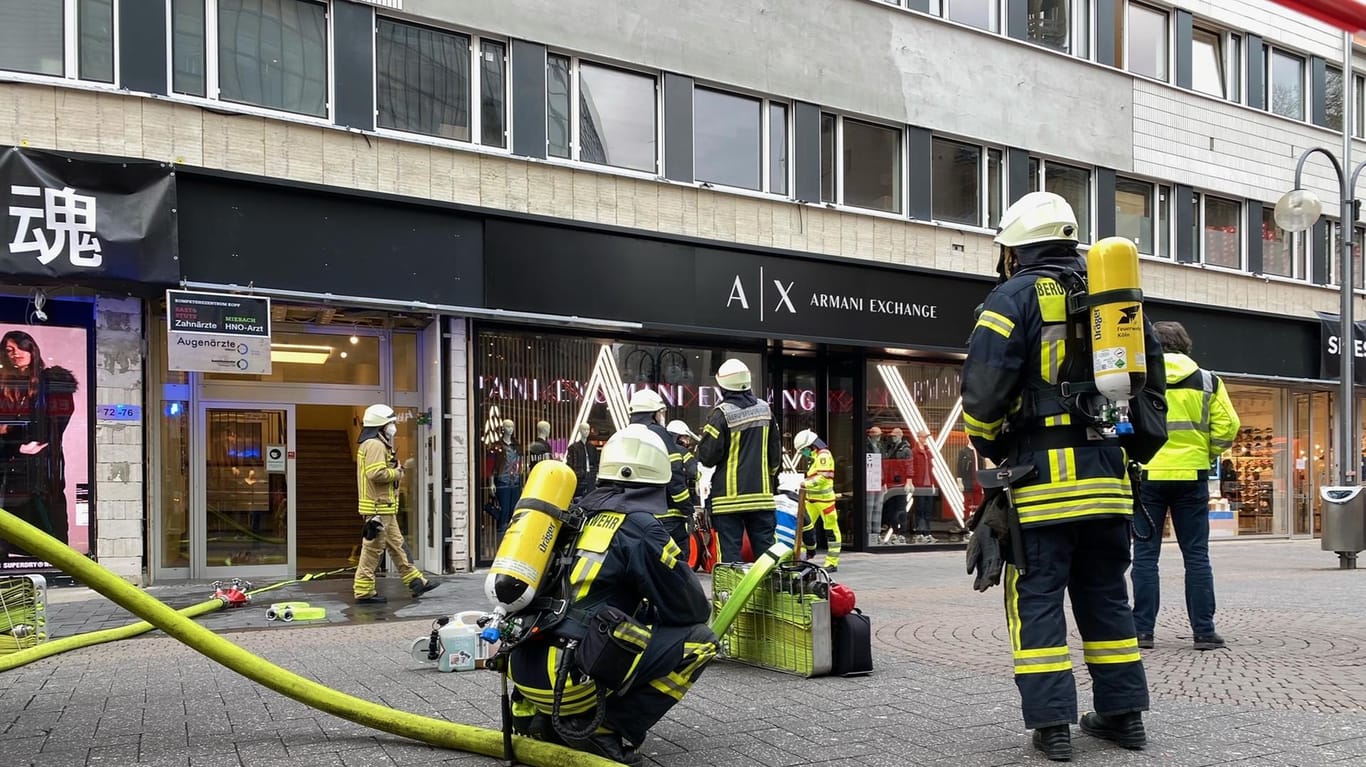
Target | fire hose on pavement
(435,732)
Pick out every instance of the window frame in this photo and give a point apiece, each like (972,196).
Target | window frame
(1039,182)
(1306,106)
(1202,198)
(1358,104)
(212,92)
(71,54)
(1300,270)
(575,62)
(997,15)
(1222,54)
(901,209)
(1159,201)
(1080,30)
(766,105)
(984,201)
(1344,115)
(1168,48)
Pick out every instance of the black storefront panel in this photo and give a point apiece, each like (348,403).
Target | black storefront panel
(235,231)
(675,284)
(1244,342)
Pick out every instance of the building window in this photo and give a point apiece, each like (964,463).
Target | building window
(618,118)
(1332,97)
(1074,185)
(187,48)
(273,53)
(422,80)
(558,89)
(777,148)
(1285,84)
(493,65)
(957,182)
(1059,24)
(860,164)
(1136,214)
(727,139)
(34,39)
(1147,41)
(983,14)
(995,187)
(1221,223)
(1358,239)
(1207,63)
(1359,106)
(1235,68)
(1278,247)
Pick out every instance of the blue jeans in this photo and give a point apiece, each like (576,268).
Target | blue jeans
(1188,501)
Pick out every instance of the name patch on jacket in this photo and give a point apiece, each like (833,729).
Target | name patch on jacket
(598,532)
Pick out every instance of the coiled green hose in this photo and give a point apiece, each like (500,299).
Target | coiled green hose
(434,732)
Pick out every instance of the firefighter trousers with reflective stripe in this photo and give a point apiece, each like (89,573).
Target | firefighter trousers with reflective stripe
(390,539)
(674,659)
(830,518)
(1087,559)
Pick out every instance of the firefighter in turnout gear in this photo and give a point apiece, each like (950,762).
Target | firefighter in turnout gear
(647,408)
(627,573)
(378,477)
(820,495)
(741,441)
(1021,409)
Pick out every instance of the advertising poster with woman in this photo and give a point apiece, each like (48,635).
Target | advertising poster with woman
(44,431)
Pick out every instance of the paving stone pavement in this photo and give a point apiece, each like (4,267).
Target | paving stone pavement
(1290,690)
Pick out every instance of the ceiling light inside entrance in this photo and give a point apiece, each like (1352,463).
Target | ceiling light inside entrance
(303,354)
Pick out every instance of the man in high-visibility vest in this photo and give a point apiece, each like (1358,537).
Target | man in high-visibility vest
(820,495)
(1201,425)
(741,442)
(378,476)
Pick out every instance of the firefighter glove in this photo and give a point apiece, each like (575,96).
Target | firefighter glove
(373,526)
(984,557)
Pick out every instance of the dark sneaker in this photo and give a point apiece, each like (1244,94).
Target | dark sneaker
(1055,742)
(832,568)
(422,587)
(1209,642)
(1124,729)
(1145,641)
(605,744)
(373,599)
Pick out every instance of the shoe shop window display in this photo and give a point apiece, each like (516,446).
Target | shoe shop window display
(1066,501)
(627,572)
(379,474)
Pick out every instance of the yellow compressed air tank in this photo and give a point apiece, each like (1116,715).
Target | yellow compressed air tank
(1117,353)
(524,554)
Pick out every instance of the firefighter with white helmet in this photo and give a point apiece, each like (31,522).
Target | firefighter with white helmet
(1067,482)
(820,495)
(378,477)
(624,560)
(686,440)
(743,443)
(648,408)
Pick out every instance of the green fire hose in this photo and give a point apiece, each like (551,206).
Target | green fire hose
(436,732)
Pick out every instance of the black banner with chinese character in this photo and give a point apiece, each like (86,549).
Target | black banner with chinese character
(88,219)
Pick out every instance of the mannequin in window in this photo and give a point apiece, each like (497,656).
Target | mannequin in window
(582,457)
(875,444)
(507,475)
(540,449)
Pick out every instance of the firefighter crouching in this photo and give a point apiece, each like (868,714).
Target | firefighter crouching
(1074,506)
(820,495)
(630,576)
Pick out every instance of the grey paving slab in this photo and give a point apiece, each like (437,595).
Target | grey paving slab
(1288,691)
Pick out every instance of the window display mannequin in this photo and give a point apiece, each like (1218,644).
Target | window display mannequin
(506,457)
(896,474)
(925,493)
(582,457)
(898,448)
(875,444)
(540,449)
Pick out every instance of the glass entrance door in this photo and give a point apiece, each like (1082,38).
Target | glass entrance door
(244,507)
(818,394)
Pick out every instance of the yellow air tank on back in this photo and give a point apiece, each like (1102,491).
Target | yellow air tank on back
(1117,352)
(524,554)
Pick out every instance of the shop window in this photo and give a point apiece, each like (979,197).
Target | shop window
(777,148)
(957,182)
(983,14)
(317,358)
(727,139)
(1278,247)
(1207,62)
(174,503)
(1135,214)
(533,378)
(1222,243)
(273,53)
(422,80)
(1285,84)
(557,105)
(187,48)
(617,118)
(33,38)
(405,361)
(860,164)
(1252,472)
(1147,41)
(904,494)
(1332,98)
(1059,24)
(1074,185)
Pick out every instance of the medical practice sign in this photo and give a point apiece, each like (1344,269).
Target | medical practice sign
(217,333)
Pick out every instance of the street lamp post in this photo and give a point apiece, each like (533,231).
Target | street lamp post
(1298,210)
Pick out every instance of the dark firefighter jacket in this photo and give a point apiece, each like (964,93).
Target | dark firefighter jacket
(742,442)
(624,556)
(680,497)
(1018,349)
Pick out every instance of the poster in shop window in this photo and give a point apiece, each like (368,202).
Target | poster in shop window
(44,429)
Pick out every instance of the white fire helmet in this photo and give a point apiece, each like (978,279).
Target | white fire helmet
(680,429)
(646,401)
(733,375)
(636,455)
(804,439)
(378,415)
(1037,217)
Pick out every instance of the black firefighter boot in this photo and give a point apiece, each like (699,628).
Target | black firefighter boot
(1124,729)
(1055,742)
